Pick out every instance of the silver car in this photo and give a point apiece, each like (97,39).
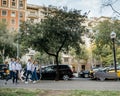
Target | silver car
(102,75)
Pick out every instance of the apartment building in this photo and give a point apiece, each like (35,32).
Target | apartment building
(34,13)
(12,12)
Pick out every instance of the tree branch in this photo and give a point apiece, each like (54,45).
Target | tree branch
(47,51)
(109,3)
(114,10)
(62,44)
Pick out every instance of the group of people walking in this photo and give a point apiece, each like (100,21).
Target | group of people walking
(15,70)
(32,68)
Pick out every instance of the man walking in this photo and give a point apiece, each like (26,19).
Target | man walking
(29,68)
(15,71)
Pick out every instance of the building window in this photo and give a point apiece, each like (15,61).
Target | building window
(13,3)
(4,12)
(4,2)
(13,14)
(66,59)
(32,13)
(12,21)
(21,3)
(21,15)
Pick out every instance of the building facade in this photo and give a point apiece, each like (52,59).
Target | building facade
(34,13)
(12,12)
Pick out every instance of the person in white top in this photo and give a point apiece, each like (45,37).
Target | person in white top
(29,69)
(19,68)
(34,73)
(10,70)
(15,71)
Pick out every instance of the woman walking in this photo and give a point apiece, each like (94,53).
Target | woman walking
(34,72)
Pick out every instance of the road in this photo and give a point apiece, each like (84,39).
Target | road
(75,84)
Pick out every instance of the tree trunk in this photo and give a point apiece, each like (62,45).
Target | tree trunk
(57,69)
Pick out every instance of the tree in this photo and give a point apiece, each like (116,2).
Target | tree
(103,42)
(7,47)
(58,31)
(44,58)
(82,55)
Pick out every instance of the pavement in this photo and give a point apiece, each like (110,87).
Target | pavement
(74,84)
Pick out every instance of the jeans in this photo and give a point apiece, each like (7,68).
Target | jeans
(34,75)
(15,76)
(28,73)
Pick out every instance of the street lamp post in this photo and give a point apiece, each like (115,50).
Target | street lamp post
(113,36)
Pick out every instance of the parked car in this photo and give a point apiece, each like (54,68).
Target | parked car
(49,72)
(93,70)
(107,74)
(84,74)
(3,71)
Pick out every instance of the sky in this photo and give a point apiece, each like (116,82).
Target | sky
(91,6)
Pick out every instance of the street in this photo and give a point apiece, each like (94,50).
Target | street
(74,84)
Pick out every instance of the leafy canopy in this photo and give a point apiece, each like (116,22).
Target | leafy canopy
(103,42)
(58,31)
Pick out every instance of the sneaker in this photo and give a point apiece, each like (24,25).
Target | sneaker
(30,80)
(34,81)
(26,82)
(22,80)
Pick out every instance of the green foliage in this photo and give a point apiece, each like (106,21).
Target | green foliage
(58,31)
(103,50)
(7,45)
(103,31)
(82,55)
(43,58)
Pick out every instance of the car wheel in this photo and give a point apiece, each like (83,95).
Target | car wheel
(102,78)
(66,77)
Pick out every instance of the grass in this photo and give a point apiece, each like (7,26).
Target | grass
(38,92)
(95,93)
(17,92)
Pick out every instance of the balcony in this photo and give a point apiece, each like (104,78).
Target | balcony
(33,16)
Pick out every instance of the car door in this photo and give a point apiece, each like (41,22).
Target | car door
(49,72)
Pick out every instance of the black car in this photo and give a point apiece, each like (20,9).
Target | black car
(3,71)
(49,72)
(84,74)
